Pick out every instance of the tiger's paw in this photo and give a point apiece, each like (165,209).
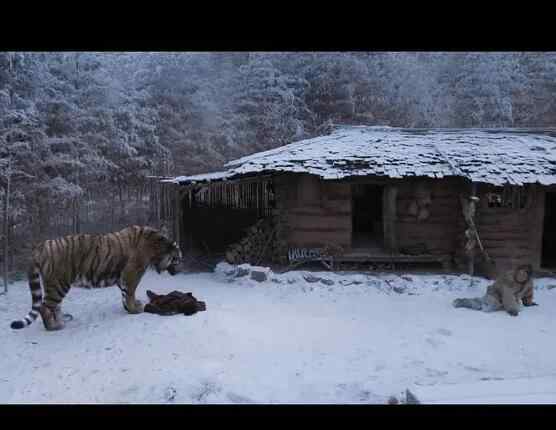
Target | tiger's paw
(54,325)
(136,308)
(531,304)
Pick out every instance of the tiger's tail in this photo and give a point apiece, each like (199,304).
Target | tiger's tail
(36,296)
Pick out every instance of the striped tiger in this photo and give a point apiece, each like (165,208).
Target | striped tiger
(120,258)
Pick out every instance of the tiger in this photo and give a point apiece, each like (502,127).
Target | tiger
(100,260)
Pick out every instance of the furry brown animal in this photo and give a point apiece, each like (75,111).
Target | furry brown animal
(506,293)
(119,258)
(174,303)
(513,287)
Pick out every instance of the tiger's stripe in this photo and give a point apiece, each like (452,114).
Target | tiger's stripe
(36,297)
(98,260)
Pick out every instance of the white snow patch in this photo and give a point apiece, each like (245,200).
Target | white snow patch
(497,391)
(354,338)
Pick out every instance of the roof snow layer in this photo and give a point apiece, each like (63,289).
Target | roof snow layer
(495,156)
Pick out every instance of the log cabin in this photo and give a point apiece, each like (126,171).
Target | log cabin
(462,198)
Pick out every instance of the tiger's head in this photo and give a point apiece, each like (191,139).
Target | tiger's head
(167,257)
(523,273)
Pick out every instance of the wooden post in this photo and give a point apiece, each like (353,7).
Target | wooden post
(6,228)
(471,266)
(177,215)
(389,199)
(185,226)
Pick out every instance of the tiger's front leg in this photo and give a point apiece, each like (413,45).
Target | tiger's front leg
(527,299)
(51,318)
(51,309)
(128,284)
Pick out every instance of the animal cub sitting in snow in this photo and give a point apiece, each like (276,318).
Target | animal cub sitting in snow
(505,293)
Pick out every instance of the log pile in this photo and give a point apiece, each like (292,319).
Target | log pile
(259,244)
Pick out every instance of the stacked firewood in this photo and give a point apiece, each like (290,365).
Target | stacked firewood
(258,244)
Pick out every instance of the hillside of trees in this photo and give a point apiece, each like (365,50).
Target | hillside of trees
(79,131)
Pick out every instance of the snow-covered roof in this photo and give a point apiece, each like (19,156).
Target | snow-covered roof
(204,177)
(495,156)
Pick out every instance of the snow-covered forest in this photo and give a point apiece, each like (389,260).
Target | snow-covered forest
(79,132)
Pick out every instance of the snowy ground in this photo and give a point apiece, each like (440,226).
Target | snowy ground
(361,339)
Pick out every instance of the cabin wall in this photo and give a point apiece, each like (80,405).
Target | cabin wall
(315,212)
(439,232)
(512,236)
(312,213)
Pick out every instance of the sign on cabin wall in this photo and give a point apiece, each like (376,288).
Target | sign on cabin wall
(296,255)
(328,251)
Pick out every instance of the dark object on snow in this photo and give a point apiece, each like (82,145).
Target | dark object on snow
(174,303)
(310,278)
(410,398)
(258,276)
(241,271)
(393,401)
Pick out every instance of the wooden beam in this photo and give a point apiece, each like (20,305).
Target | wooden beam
(365,180)
(177,215)
(389,200)
(214,182)
(471,267)
(362,257)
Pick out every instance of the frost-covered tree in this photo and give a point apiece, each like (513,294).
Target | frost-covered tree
(268,105)
(87,128)
(534,94)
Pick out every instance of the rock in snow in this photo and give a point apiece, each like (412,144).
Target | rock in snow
(258,276)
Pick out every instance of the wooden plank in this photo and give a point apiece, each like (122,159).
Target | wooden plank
(178,219)
(537,230)
(392,258)
(324,211)
(423,225)
(371,180)
(504,238)
(336,206)
(336,191)
(319,221)
(319,229)
(389,217)
(471,267)
(317,238)
(309,190)
(425,236)
(451,204)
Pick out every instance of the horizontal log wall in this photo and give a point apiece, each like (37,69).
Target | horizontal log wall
(315,212)
(512,236)
(318,212)
(439,232)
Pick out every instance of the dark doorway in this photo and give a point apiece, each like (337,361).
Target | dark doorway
(549,232)
(210,230)
(367,225)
